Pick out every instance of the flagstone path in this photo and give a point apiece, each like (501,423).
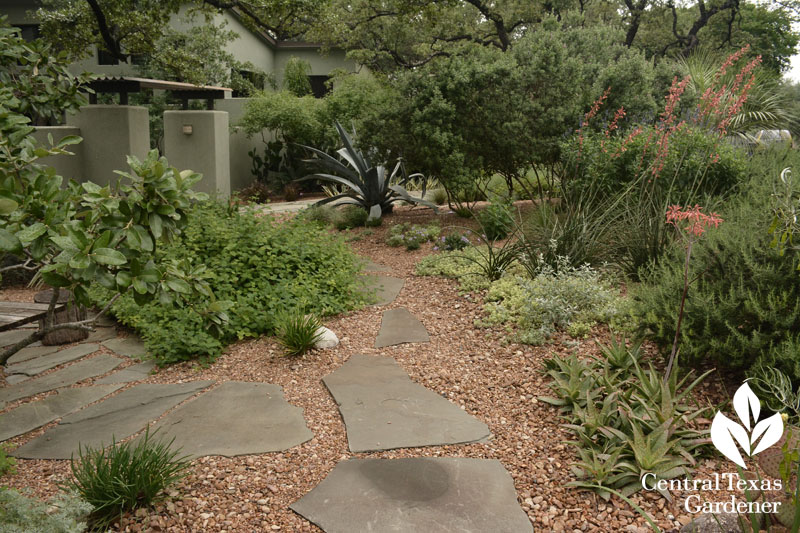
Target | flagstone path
(381,406)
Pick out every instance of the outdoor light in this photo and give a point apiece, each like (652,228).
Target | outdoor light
(187,129)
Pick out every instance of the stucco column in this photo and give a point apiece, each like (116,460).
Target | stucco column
(110,134)
(200,141)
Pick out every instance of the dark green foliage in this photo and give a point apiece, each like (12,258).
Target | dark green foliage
(496,220)
(744,307)
(297,332)
(125,476)
(295,76)
(261,267)
(349,216)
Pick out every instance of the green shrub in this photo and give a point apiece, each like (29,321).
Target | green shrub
(259,265)
(439,196)
(66,513)
(744,307)
(412,237)
(461,265)
(609,165)
(125,476)
(321,214)
(7,463)
(349,217)
(297,332)
(496,220)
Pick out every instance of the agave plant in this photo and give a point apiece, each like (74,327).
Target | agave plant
(369,186)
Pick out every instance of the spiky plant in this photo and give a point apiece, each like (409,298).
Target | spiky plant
(369,186)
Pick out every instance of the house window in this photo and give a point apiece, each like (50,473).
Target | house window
(29,32)
(319,86)
(105,58)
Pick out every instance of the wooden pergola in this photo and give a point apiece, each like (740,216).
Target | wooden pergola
(123,85)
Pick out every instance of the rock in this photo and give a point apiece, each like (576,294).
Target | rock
(328,339)
(714,523)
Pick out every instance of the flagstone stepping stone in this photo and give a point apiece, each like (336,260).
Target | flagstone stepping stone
(30,352)
(383,409)
(127,375)
(70,375)
(387,288)
(129,346)
(7,338)
(16,378)
(236,419)
(117,418)
(30,416)
(371,266)
(37,365)
(102,334)
(422,494)
(399,326)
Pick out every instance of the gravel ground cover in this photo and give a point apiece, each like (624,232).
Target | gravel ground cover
(495,381)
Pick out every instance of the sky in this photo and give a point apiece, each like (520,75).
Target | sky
(794,72)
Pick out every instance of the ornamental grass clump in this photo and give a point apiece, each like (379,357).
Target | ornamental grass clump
(126,476)
(298,332)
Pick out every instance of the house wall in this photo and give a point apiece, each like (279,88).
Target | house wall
(240,144)
(17,11)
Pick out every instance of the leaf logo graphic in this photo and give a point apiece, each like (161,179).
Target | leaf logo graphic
(726,434)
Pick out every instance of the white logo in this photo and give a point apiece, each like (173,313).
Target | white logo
(725,433)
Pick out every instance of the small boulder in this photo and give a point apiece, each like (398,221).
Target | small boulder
(327,339)
(714,523)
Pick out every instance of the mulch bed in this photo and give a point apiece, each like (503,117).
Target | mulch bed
(476,368)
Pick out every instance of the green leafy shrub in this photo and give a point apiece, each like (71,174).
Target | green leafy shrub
(496,220)
(412,236)
(460,265)
(66,513)
(626,421)
(125,476)
(348,217)
(322,214)
(297,332)
(258,265)
(7,463)
(744,307)
(439,196)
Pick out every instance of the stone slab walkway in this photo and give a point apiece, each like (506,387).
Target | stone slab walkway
(236,419)
(117,418)
(127,375)
(37,365)
(383,409)
(30,352)
(30,416)
(442,494)
(399,326)
(88,368)
(128,346)
(387,288)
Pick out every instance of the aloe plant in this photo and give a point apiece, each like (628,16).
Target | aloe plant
(366,185)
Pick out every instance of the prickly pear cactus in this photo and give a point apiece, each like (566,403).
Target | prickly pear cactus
(770,461)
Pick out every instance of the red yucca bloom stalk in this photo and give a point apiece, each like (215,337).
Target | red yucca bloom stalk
(692,223)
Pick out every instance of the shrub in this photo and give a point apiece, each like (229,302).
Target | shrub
(257,192)
(348,217)
(7,463)
(461,265)
(125,476)
(439,196)
(65,513)
(496,220)
(297,332)
(412,237)
(321,214)
(744,307)
(571,299)
(257,264)
(452,241)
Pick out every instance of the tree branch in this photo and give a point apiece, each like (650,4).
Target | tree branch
(112,44)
